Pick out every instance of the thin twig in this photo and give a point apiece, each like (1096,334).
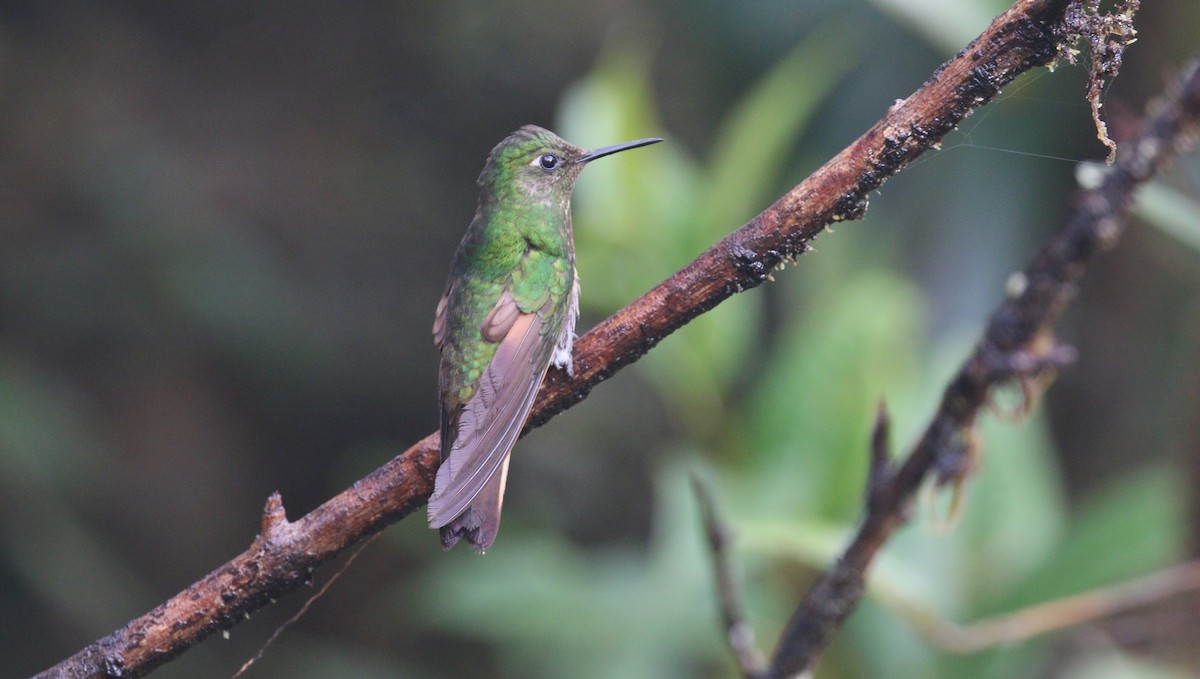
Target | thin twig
(1050,616)
(1108,34)
(881,469)
(1030,34)
(733,614)
(1018,344)
(304,609)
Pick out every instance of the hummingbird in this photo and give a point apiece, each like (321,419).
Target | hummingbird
(508,312)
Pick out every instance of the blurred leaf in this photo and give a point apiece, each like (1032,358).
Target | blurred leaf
(1110,663)
(1130,528)
(1174,213)
(896,650)
(756,139)
(687,205)
(551,609)
(811,543)
(809,420)
(946,25)
(1015,511)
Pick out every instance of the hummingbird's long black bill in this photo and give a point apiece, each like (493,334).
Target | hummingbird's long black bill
(616,148)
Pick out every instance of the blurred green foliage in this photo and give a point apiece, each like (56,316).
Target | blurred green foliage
(652,216)
(225,229)
(792,450)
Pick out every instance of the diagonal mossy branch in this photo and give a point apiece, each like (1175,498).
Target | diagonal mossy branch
(1030,34)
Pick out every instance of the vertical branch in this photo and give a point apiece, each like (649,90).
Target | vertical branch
(740,634)
(1017,346)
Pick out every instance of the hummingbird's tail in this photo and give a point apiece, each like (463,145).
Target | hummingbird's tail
(480,521)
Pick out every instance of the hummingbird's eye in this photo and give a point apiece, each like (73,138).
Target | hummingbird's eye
(548,161)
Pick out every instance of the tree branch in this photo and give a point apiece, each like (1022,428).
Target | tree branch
(729,593)
(1031,33)
(1018,346)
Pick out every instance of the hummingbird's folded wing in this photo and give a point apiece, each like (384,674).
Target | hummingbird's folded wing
(478,435)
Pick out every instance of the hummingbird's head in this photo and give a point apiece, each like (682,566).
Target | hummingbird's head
(539,163)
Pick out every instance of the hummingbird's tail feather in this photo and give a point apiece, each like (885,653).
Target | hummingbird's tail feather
(478,435)
(480,521)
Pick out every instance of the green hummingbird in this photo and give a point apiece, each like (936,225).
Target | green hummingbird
(507,313)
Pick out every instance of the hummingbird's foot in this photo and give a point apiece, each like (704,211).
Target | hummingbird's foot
(561,358)
(566,364)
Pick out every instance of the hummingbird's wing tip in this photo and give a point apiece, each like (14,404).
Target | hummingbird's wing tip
(469,489)
(480,522)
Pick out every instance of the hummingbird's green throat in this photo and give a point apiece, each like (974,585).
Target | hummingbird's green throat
(507,313)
